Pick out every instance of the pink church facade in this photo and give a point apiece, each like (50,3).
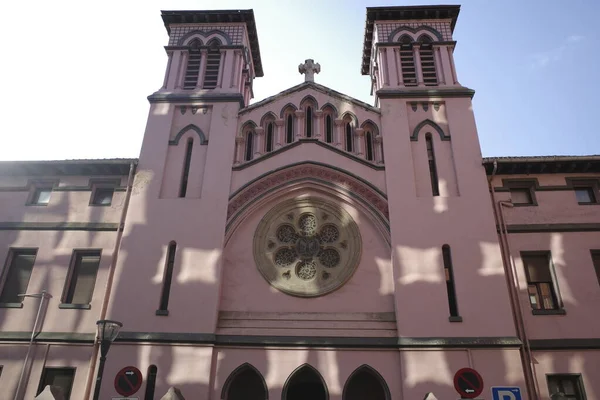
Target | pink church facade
(306,245)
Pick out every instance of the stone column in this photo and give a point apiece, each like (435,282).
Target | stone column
(259,142)
(183,56)
(385,71)
(439,65)
(359,133)
(168,70)
(221,68)
(318,125)
(418,69)
(398,66)
(338,132)
(279,133)
(203,57)
(378,149)
(240,141)
(452,67)
(299,123)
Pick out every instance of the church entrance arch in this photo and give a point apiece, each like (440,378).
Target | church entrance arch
(305,383)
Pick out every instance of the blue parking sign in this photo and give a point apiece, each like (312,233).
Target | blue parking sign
(506,393)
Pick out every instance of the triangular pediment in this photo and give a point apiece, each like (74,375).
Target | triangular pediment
(308,86)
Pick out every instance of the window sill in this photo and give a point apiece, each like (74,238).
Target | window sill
(11,305)
(561,311)
(100,205)
(75,306)
(455,319)
(162,312)
(36,204)
(525,204)
(591,203)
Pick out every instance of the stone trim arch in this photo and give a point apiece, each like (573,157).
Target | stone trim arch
(285,108)
(372,371)
(250,124)
(415,135)
(332,107)
(331,180)
(294,372)
(205,37)
(269,115)
(175,140)
(309,98)
(236,372)
(369,122)
(353,118)
(414,31)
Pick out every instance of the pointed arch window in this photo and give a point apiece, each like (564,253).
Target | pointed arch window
(213,63)
(186,167)
(305,383)
(450,288)
(269,139)
(245,383)
(407,61)
(365,383)
(249,146)
(349,146)
(150,382)
(433,176)
(163,308)
(427,61)
(192,71)
(289,129)
(328,129)
(369,145)
(309,122)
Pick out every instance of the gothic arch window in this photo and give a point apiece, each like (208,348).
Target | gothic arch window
(328,129)
(307,247)
(192,71)
(348,128)
(365,383)
(289,128)
(249,151)
(187,161)
(163,308)
(213,64)
(245,383)
(433,176)
(269,138)
(427,61)
(369,146)
(305,383)
(309,122)
(407,61)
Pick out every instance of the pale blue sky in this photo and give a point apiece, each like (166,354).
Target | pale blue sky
(76,74)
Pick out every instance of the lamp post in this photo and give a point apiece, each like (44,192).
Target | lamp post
(107,333)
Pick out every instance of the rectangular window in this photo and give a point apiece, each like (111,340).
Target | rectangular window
(82,277)
(166,289)
(543,294)
(41,196)
(569,385)
(102,196)
(450,288)
(61,377)
(16,275)
(585,195)
(521,196)
(596,262)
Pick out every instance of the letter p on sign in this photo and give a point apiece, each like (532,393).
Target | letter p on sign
(506,393)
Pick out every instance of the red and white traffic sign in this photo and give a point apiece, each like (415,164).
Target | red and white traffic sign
(468,383)
(128,381)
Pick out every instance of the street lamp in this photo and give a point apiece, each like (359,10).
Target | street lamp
(107,333)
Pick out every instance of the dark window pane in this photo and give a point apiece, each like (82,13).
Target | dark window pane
(150,382)
(41,196)
(538,268)
(186,168)
(103,196)
(83,278)
(570,386)
(596,261)
(585,195)
(521,196)
(61,377)
(17,276)
(166,290)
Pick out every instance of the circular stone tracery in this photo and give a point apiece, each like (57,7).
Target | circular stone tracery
(307,247)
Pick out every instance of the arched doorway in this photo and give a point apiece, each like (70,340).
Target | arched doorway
(305,383)
(245,383)
(366,384)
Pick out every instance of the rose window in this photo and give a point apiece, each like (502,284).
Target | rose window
(307,247)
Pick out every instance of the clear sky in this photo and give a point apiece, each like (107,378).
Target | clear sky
(76,74)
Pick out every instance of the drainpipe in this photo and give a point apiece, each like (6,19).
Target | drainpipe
(513,285)
(111,273)
(26,369)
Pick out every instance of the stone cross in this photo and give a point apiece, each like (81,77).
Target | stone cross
(309,68)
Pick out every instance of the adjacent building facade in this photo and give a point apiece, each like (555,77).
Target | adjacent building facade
(307,245)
